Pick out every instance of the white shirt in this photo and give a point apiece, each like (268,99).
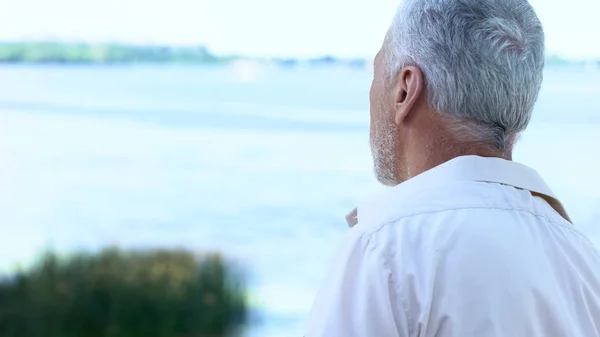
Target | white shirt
(476,247)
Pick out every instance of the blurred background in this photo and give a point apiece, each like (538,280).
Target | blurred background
(234,126)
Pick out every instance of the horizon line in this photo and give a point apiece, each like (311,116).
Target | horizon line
(199,44)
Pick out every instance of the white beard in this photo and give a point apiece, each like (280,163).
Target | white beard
(384,156)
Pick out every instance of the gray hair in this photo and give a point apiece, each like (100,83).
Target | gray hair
(482,61)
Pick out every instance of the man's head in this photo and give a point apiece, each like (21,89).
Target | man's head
(453,76)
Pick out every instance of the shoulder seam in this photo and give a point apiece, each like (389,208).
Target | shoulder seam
(399,218)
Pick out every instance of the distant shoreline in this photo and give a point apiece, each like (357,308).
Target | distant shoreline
(86,54)
(60,53)
(110,53)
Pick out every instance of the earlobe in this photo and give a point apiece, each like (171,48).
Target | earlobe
(410,88)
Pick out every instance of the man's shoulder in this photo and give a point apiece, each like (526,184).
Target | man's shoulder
(464,207)
(455,215)
(438,202)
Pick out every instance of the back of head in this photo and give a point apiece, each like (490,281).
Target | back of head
(482,61)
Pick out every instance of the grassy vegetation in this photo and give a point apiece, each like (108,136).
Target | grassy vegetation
(124,294)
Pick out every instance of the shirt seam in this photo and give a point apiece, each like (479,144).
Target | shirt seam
(570,226)
(384,261)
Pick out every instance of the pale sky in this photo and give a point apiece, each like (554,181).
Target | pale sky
(263,27)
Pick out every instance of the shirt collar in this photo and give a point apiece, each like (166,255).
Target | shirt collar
(467,168)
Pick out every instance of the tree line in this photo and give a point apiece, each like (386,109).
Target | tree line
(56,52)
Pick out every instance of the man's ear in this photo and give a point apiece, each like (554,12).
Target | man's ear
(410,86)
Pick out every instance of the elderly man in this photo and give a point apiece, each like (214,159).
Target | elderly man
(467,243)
